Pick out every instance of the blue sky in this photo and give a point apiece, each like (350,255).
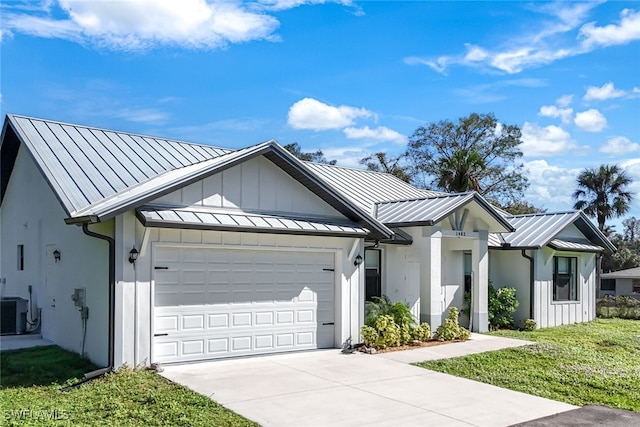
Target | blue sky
(349,78)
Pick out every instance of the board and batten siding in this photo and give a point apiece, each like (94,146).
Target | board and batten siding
(255,185)
(135,346)
(550,313)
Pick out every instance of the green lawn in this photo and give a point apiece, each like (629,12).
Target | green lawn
(590,363)
(30,395)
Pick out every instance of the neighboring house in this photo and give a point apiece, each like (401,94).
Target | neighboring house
(621,282)
(142,250)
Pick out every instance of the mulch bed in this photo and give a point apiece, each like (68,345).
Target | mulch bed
(412,346)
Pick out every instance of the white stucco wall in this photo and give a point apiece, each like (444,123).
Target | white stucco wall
(624,287)
(508,268)
(32,216)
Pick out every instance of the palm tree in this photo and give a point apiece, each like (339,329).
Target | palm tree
(603,193)
(461,172)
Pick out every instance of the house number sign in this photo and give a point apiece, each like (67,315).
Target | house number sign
(461,233)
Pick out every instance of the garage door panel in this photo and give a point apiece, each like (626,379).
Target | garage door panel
(212,303)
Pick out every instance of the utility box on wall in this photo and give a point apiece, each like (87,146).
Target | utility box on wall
(13,316)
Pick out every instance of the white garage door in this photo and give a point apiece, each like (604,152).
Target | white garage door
(213,303)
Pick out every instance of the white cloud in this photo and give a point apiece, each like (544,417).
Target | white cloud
(550,186)
(290,4)
(606,91)
(142,115)
(380,134)
(627,30)
(545,141)
(620,145)
(564,114)
(553,39)
(590,120)
(138,25)
(564,101)
(309,113)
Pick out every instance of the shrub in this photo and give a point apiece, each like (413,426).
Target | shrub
(382,306)
(502,305)
(385,333)
(529,325)
(450,330)
(422,332)
(623,307)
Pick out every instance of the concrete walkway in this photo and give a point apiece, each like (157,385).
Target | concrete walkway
(322,388)
(16,342)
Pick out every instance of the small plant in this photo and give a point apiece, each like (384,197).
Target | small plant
(386,333)
(451,330)
(502,305)
(422,332)
(530,325)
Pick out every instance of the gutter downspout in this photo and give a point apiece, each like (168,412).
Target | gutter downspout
(89,376)
(531,281)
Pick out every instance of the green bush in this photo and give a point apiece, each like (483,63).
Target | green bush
(451,330)
(382,306)
(623,307)
(385,333)
(530,325)
(502,305)
(422,332)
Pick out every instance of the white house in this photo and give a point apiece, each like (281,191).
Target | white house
(138,250)
(621,282)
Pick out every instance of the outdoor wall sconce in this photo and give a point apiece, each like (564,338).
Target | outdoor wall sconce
(133,255)
(358,260)
(56,256)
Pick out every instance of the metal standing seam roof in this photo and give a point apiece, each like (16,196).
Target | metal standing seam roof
(366,188)
(431,210)
(534,231)
(97,174)
(165,183)
(85,165)
(582,246)
(232,220)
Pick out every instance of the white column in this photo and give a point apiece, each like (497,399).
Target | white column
(124,299)
(431,276)
(480,263)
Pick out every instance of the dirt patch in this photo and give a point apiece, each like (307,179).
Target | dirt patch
(412,346)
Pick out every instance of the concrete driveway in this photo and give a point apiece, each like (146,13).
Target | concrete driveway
(328,388)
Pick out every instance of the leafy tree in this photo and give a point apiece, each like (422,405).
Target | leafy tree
(476,153)
(627,256)
(316,156)
(602,193)
(522,207)
(380,162)
(632,230)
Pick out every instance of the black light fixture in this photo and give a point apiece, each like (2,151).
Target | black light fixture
(358,260)
(133,255)
(56,255)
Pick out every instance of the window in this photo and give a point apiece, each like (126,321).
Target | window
(635,286)
(373,282)
(20,257)
(565,279)
(467,272)
(608,285)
